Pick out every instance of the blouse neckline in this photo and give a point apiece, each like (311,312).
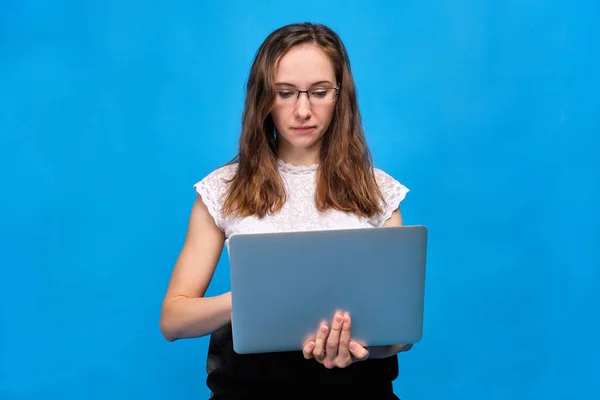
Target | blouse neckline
(296,169)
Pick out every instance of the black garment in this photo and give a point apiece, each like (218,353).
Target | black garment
(288,375)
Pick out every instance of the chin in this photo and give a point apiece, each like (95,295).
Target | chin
(305,143)
(303,139)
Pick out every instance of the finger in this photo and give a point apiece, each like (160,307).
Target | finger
(309,338)
(308,349)
(358,351)
(319,350)
(344,346)
(333,340)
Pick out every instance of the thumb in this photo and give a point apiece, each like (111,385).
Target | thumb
(308,348)
(358,351)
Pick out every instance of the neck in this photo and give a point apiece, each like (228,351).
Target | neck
(298,156)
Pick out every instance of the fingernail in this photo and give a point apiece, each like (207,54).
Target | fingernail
(338,318)
(324,328)
(347,317)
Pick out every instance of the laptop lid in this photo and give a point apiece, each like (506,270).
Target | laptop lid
(283,285)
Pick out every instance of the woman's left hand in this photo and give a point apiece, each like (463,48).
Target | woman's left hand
(333,347)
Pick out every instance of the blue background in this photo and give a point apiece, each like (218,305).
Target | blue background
(111,110)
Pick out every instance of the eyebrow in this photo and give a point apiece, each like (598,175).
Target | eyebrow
(292,85)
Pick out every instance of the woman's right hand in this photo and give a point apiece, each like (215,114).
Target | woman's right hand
(185,311)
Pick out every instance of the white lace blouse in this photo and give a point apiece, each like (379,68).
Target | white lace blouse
(299,212)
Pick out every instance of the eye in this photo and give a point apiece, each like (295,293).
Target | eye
(319,92)
(284,94)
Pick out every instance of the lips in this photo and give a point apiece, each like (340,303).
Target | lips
(303,129)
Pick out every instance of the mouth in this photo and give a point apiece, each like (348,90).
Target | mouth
(303,129)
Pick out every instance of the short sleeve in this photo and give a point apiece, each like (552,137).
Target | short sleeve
(213,189)
(393,193)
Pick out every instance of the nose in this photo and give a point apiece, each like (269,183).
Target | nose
(303,107)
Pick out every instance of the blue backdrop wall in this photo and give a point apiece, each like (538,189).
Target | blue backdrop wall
(111,110)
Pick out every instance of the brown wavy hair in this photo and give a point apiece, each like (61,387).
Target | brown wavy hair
(345,180)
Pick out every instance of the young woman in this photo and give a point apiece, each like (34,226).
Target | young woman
(303,164)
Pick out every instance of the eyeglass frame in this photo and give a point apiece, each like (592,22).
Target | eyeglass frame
(299,92)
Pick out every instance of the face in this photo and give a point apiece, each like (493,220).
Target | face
(300,123)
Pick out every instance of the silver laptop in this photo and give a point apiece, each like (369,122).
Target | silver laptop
(284,284)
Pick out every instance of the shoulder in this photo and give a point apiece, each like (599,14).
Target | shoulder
(393,193)
(383,178)
(390,187)
(216,180)
(212,189)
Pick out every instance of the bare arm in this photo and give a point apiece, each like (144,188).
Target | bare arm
(387,351)
(186,313)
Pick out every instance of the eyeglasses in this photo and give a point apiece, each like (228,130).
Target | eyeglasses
(315,96)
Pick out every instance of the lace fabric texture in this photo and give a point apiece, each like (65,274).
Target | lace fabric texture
(299,212)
